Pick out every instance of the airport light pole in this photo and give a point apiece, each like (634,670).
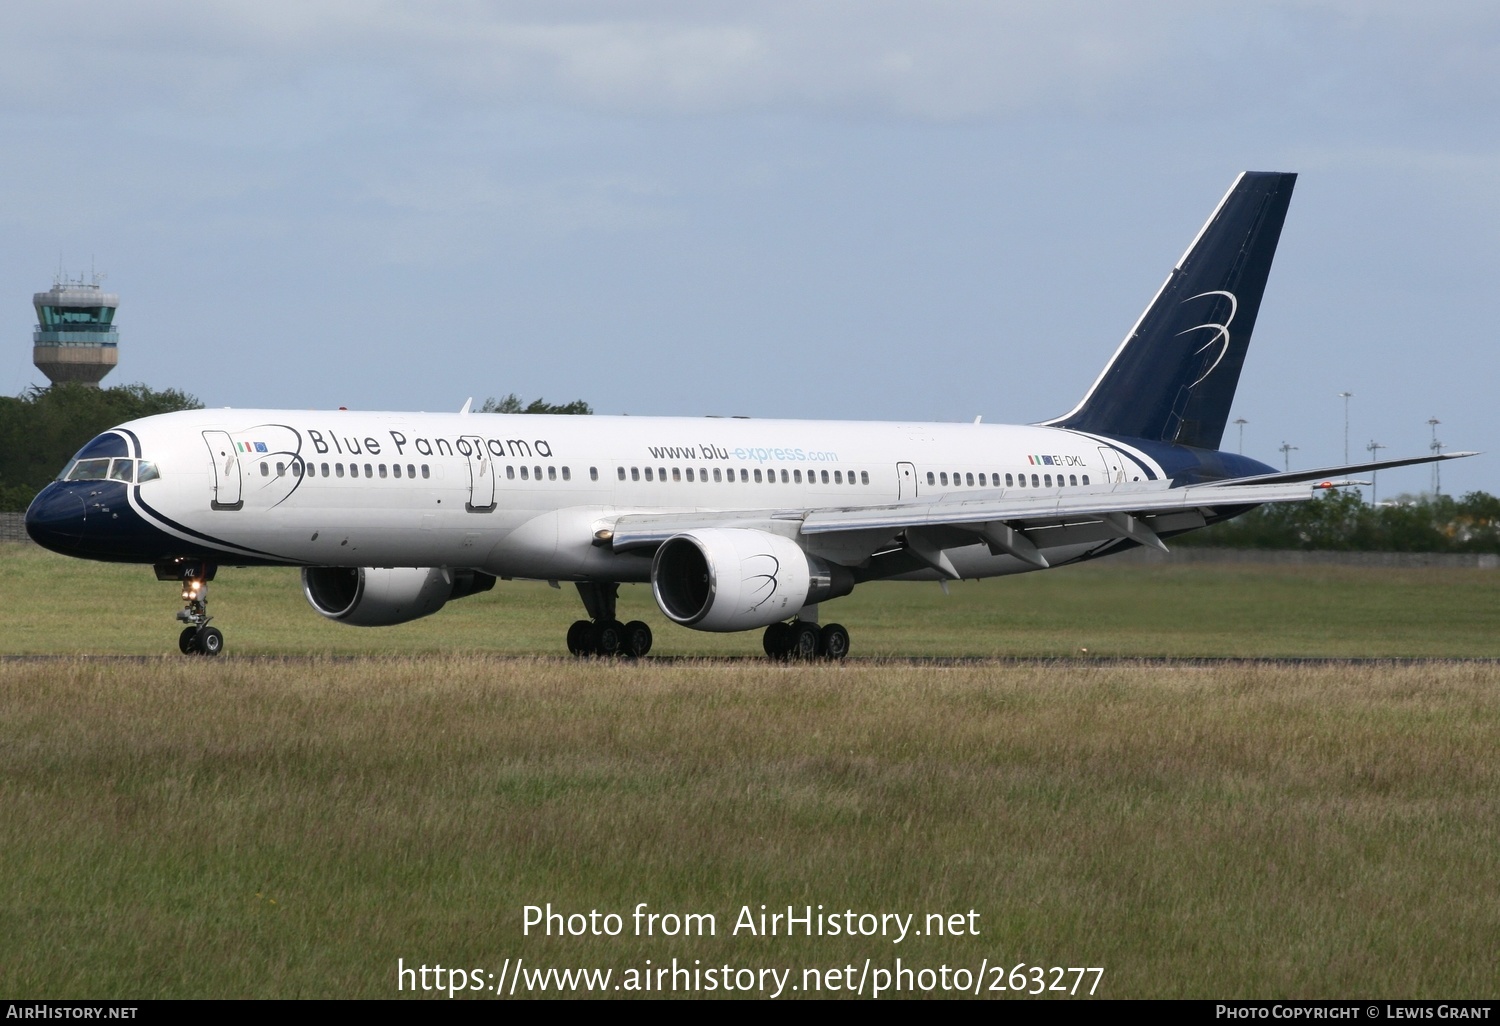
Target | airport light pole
(1286,456)
(1241,421)
(1437,450)
(1374,447)
(1346,396)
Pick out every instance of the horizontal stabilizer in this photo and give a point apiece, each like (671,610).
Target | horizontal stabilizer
(1332,473)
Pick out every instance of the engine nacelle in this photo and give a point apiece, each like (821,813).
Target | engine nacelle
(735,579)
(383,596)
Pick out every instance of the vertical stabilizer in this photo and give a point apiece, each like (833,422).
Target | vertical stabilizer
(1173,378)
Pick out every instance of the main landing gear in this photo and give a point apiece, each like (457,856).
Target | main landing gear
(804,640)
(603,635)
(197,638)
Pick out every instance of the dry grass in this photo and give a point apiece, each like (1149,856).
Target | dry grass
(1243,830)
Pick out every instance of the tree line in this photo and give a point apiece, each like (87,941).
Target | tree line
(42,428)
(1343,521)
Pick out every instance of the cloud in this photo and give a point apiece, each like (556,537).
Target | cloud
(941,60)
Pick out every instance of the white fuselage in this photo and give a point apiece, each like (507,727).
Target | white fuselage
(525,495)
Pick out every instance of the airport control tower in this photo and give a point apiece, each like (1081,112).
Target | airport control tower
(75,337)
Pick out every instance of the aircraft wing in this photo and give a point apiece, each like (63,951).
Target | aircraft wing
(974,510)
(1023,525)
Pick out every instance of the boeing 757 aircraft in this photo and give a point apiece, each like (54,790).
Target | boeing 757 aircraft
(737,524)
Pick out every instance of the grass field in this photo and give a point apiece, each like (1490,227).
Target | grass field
(61,605)
(267,827)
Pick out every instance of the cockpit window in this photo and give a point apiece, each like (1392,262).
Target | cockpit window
(123,470)
(87,470)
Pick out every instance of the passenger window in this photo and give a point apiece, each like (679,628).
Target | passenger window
(621,471)
(689,474)
(339,469)
(745,476)
(411,471)
(424,472)
(525,475)
(864,477)
(716,475)
(635,475)
(943,477)
(568,474)
(536,472)
(661,474)
(396,469)
(281,470)
(1049,480)
(1009,481)
(1072,480)
(838,477)
(325,471)
(265,471)
(969,480)
(1035,481)
(367,471)
(510,473)
(648,474)
(797,476)
(784,478)
(551,473)
(1085,479)
(757,475)
(382,470)
(824,476)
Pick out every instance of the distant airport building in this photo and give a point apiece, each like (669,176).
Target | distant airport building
(75,337)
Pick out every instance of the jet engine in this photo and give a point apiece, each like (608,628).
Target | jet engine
(735,579)
(383,596)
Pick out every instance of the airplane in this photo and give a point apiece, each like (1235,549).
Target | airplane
(737,524)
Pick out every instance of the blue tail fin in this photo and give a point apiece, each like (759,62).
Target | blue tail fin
(1173,378)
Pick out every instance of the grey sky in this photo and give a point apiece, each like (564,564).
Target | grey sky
(883,210)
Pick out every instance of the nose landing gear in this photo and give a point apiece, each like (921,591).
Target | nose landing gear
(197,638)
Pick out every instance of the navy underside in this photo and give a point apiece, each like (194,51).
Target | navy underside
(95,520)
(1187,465)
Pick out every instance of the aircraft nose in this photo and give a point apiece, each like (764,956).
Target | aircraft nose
(56,518)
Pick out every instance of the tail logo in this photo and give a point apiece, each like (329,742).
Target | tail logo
(1220,335)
